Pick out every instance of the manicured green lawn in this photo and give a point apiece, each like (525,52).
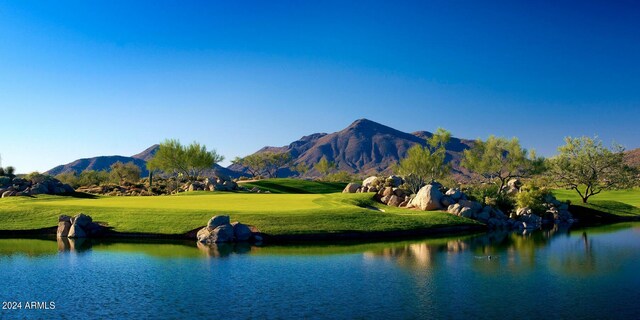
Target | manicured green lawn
(275,214)
(621,203)
(295,186)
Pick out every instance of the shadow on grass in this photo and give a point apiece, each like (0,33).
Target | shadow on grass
(80,195)
(605,211)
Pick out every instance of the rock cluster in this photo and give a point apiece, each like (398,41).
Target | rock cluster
(23,187)
(117,190)
(220,183)
(454,201)
(220,230)
(79,226)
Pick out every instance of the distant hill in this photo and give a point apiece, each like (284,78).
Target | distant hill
(632,158)
(140,160)
(363,147)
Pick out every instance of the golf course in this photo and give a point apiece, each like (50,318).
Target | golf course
(273,213)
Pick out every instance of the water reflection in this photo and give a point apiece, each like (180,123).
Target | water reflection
(221,250)
(73,245)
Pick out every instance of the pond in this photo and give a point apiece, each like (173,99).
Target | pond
(583,274)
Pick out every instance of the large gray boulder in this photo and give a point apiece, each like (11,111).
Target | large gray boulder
(351,188)
(63,229)
(82,220)
(218,221)
(455,194)
(473,205)
(395,181)
(428,198)
(219,234)
(76,232)
(241,232)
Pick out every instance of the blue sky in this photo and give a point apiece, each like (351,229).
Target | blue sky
(86,78)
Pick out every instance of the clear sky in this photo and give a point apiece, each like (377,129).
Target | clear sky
(86,78)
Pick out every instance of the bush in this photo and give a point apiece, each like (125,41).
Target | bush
(37,177)
(488,195)
(4,181)
(340,176)
(93,178)
(69,178)
(532,196)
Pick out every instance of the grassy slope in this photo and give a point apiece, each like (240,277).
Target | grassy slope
(618,203)
(274,214)
(296,186)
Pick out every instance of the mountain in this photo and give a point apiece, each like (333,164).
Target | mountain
(364,147)
(140,160)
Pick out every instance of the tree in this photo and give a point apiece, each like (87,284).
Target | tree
(325,166)
(93,178)
(498,160)
(190,161)
(265,163)
(301,168)
(422,164)
(586,166)
(8,171)
(124,172)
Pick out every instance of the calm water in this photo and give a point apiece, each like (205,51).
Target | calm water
(581,274)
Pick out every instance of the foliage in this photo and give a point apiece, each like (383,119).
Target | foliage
(93,178)
(301,168)
(498,160)
(8,171)
(586,166)
(488,194)
(189,161)
(324,166)
(340,176)
(264,163)
(533,197)
(427,163)
(37,177)
(124,172)
(70,178)
(4,181)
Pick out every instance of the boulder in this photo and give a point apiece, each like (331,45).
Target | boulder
(428,198)
(404,203)
(9,193)
(455,194)
(473,205)
(395,181)
(82,220)
(368,182)
(399,192)
(454,209)
(466,212)
(76,232)
(387,192)
(218,221)
(446,201)
(63,229)
(395,201)
(351,188)
(523,211)
(221,233)
(39,188)
(241,232)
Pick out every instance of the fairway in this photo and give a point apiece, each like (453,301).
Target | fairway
(276,214)
(622,203)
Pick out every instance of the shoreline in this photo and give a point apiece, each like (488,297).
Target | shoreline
(269,239)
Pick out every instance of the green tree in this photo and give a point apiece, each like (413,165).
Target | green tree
(265,163)
(422,164)
(324,166)
(124,172)
(190,161)
(301,168)
(498,160)
(70,178)
(8,172)
(93,178)
(586,166)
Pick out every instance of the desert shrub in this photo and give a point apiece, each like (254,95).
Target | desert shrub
(340,176)
(37,177)
(93,178)
(69,178)
(4,181)
(488,195)
(532,196)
